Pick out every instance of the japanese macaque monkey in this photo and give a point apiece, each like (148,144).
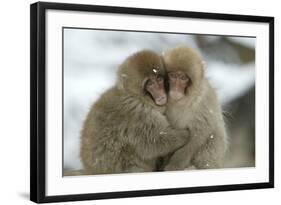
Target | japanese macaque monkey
(193,105)
(126,130)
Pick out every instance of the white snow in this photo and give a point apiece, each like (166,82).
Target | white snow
(230,81)
(248,42)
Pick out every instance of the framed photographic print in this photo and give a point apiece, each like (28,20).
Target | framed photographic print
(129,102)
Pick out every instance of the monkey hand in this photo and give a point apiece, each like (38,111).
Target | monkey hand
(176,167)
(206,163)
(173,167)
(183,135)
(179,161)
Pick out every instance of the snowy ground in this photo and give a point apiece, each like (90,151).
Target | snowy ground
(91,58)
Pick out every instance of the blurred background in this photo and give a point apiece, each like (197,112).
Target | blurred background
(91,58)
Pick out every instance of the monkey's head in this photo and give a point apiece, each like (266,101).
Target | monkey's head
(142,74)
(184,70)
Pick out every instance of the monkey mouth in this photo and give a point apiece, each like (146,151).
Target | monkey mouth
(161,100)
(176,95)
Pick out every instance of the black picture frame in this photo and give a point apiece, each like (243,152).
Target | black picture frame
(38,101)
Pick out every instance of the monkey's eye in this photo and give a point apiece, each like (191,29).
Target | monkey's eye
(149,83)
(159,78)
(184,77)
(172,75)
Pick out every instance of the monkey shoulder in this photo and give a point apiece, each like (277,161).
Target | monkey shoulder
(213,117)
(119,111)
(202,113)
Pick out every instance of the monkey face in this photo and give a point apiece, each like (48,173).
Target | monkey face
(185,72)
(142,75)
(178,83)
(154,85)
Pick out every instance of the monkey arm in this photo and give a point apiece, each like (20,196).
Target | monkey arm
(207,133)
(202,150)
(157,144)
(182,157)
(211,154)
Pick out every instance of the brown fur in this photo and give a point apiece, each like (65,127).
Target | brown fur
(124,130)
(198,111)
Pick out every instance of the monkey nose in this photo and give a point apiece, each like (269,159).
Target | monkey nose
(162,100)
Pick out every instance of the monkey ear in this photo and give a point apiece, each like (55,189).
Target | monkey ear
(203,68)
(122,81)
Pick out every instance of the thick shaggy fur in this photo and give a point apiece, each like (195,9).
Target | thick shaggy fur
(199,111)
(124,130)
